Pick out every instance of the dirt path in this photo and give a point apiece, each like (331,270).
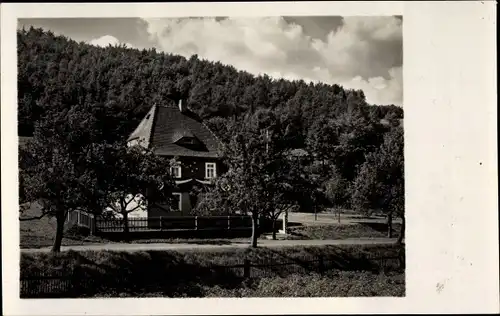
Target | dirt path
(234,244)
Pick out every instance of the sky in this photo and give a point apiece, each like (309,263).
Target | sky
(356,52)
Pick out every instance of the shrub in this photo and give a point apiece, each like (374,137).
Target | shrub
(338,283)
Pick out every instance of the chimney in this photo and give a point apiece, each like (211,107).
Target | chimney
(182,107)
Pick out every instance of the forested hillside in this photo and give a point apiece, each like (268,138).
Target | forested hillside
(122,84)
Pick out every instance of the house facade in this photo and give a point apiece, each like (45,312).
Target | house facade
(173,131)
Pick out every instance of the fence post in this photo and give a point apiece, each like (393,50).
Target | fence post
(161,223)
(91,224)
(75,282)
(228,222)
(401,259)
(196,222)
(321,264)
(246,268)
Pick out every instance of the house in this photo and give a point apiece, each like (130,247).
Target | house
(173,131)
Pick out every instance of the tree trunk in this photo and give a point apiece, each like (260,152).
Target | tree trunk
(60,218)
(402,232)
(254,230)
(274,228)
(125,226)
(389,225)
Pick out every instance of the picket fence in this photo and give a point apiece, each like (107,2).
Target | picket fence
(168,223)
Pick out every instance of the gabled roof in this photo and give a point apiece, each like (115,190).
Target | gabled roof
(164,125)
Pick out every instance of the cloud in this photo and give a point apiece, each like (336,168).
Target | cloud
(379,90)
(107,40)
(363,53)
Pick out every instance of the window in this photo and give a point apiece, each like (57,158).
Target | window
(210,171)
(175,171)
(178,198)
(188,140)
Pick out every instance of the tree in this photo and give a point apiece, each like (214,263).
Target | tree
(131,178)
(54,171)
(68,165)
(336,189)
(380,181)
(56,72)
(261,180)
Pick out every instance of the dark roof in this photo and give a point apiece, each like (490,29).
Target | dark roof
(164,125)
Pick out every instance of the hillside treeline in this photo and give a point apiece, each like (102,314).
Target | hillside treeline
(56,73)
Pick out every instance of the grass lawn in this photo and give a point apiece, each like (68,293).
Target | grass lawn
(354,230)
(41,233)
(348,271)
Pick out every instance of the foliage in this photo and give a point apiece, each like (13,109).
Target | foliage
(335,284)
(380,181)
(55,171)
(130,177)
(263,178)
(56,73)
(343,143)
(336,188)
(69,164)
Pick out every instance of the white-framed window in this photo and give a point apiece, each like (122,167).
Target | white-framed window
(210,170)
(177,197)
(176,171)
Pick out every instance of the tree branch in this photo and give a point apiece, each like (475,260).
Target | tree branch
(44,213)
(33,218)
(127,203)
(130,211)
(112,205)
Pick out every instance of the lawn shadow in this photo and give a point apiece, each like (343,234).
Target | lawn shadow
(135,274)
(381,227)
